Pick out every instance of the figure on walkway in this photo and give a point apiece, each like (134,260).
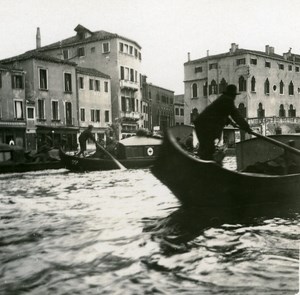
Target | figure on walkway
(210,122)
(83,137)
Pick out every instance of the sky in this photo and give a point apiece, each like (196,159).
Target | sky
(166,29)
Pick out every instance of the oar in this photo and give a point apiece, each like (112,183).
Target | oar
(111,156)
(278,143)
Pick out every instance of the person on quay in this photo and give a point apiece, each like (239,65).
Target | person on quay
(210,122)
(83,137)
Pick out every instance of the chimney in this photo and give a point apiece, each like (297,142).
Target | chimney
(207,52)
(271,50)
(38,38)
(267,49)
(234,47)
(189,56)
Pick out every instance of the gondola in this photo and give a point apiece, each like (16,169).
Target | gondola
(196,182)
(133,153)
(13,159)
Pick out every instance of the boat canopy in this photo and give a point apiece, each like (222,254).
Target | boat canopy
(140,141)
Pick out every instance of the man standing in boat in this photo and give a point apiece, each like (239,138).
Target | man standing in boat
(83,137)
(210,122)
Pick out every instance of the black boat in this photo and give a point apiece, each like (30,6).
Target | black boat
(196,182)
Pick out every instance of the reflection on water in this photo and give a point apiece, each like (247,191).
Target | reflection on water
(123,232)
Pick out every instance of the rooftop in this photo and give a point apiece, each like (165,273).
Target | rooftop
(91,72)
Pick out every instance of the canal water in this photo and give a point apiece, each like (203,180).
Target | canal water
(123,232)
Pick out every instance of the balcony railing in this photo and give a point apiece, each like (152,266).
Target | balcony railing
(279,120)
(129,84)
(130,115)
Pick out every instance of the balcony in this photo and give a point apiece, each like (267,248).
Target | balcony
(134,116)
(126,84)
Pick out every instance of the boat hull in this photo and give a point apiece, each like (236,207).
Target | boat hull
(204,183)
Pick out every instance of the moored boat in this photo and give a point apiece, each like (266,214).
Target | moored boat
(133,152)
(13,159)
(196,182)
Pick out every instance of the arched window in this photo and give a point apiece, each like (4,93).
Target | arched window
(205,89)
(242,84)
(292,111)
(222,85)
(242,110)
(253,84)
(213,87)
(281,111)
(194,114)
(291,88)
(281,87)
(260,111)
(267,86)
(194,90)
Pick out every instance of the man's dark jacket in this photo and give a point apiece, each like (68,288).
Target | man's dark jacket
(211,121)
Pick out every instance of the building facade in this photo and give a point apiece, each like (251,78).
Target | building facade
(179,109)
(12,105)
(116,56)
(51,99)
(94,101)
(161,109)
(269,85)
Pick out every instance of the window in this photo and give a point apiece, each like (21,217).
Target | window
(267,64)
(66,54)
(241,61)
(105,47)
(19,110)
(41,109)
(126,74)
(95,115)
(81,83)
(267,86)
(81,51)
(290,68)
(281,67)
(181,112)
(292,111)
(91,84)
(177,111)
(213,87)
(106,116)
(281,111)
(82,115)
(198,69)
(260,111)
(122,72)
(125,48)
(253,61)
(54,105)
(140,56)
(131,75)
(30,113)
(121,45)
(97,85)
(222,85)
(242,110)
(43,79)
(297,69)
(213,66)
(68,82)
(17,82)
(123,103)
(106,86)
(253,82)
(135,52)
(205,89)
(291,88)
(194,90)
(242,84)
(131,50)
(281,87)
